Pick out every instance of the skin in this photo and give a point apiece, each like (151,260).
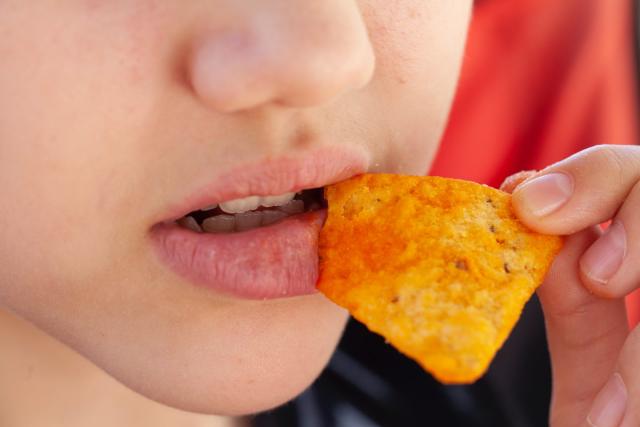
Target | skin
(590,342)
(108,118)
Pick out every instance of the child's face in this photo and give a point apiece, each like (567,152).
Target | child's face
(116,116)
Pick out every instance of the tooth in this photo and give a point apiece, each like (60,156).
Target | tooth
(271,216)
(209,208)
(248,220)
(293,207)
(219,224)
(270,201)
(241,205)
(190,223)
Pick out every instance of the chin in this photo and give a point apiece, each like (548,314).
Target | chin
(253,363)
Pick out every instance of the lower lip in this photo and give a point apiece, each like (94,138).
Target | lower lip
(276,261)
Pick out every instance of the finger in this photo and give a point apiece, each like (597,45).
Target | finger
(516,179)
(618,402)
(628,369)
(580,191)
(585,334)
(610,267)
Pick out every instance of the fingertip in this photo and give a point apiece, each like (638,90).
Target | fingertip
(524,215)
(596,287)
(544,195)
(533,222)
(610,404)
(513,181)
(537,199)
(602,261)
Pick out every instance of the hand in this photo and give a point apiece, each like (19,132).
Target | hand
(595,358)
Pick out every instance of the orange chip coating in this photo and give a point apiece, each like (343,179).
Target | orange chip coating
(441,268)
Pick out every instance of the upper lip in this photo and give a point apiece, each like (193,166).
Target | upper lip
(274,176)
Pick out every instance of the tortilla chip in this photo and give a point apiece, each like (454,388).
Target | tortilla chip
(440,267)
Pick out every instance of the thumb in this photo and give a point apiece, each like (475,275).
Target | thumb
(585,334)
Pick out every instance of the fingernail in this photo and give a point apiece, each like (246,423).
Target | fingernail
(609,405)
(603,259)
(545,194)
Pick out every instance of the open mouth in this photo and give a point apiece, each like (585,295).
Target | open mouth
(252,212)
(252,232)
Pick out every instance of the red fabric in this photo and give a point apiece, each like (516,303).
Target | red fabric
(541,79)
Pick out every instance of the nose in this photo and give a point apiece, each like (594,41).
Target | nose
(287,52)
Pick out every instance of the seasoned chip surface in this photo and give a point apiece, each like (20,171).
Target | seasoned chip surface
(440,267)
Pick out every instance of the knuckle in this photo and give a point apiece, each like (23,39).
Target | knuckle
(587,341)
(561,310)
(611,160)
(576,315)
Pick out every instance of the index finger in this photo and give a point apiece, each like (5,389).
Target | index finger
(584,333)
(583,190)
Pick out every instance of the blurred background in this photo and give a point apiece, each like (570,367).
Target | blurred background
(541,79)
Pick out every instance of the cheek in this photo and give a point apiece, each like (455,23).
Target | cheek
(419,47)
(418,44)
(65,131)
